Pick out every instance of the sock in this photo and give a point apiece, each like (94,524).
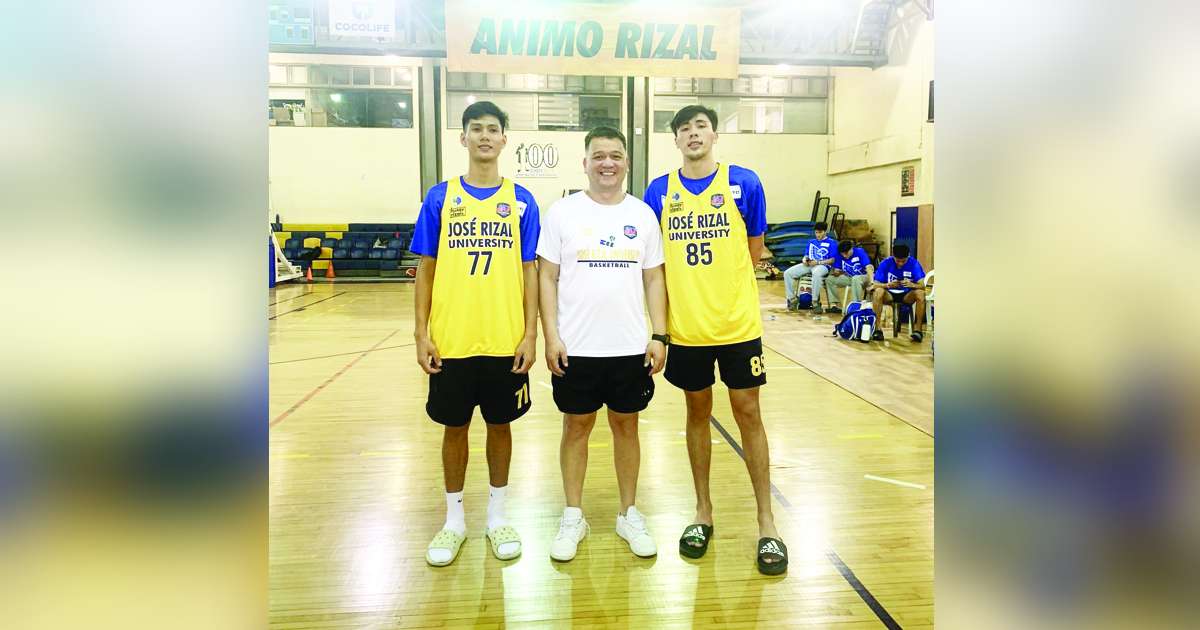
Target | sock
(495,513)
(573,513)
(497,518)
(456,518)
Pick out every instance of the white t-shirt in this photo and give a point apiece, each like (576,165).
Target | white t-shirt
(601,252)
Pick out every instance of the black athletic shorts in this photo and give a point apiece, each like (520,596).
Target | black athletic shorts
(622,383)
(485,381)
(690,368)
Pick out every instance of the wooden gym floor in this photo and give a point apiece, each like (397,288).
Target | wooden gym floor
(356,488)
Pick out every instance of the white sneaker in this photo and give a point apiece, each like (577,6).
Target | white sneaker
(632,528)
(572,528)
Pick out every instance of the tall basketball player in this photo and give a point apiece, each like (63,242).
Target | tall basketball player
(476,320)
(713,217)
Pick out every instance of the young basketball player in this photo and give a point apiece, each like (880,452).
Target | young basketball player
(476,320)
(601,258)
(713,217)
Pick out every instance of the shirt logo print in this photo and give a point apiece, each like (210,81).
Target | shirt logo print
(717,200)
(503,210)
(630,231)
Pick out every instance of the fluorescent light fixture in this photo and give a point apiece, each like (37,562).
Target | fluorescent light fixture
(335,97)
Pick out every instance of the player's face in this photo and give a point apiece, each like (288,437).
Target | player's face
(900,261)
(695,137)
(605,163)
(820,234)
(483,138)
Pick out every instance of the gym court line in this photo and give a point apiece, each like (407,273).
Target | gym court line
(301,308)
(847,574)
(318,388)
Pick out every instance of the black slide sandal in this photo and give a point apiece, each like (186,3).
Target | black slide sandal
(775,549)
(917,336)
(696,532)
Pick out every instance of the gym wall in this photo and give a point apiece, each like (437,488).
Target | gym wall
(879,127)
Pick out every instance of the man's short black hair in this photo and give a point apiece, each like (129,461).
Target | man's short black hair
(604,132)
(900,250)
(845,246)
(479,109)
(821,225)
(687,113)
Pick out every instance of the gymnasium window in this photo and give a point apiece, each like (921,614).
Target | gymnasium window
(538,102)
(748,104)
(324,95)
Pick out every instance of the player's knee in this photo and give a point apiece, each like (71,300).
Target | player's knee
(624,424)
(699,416)
(457,434)
(499,430)
(746,411)
(579,425)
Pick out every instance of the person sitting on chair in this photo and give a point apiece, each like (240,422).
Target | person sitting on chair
(852,269)
(816,262)
(898,280)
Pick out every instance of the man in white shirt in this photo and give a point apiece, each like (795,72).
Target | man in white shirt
(600,259)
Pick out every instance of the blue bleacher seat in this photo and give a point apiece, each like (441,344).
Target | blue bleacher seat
(362,243)
(358,253)
(329,242)
(292,243)
(340,253)
(345,243)
(375,254)
(392,253)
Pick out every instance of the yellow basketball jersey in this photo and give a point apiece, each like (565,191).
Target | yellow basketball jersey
(711,290)
(478,287)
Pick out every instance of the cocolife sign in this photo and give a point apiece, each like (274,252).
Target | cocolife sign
(362,18)
(570,38)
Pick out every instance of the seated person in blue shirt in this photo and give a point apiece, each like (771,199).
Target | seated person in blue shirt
(852,269)
(817,262)
(898,279)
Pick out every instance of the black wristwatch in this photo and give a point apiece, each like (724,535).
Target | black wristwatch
(665,339)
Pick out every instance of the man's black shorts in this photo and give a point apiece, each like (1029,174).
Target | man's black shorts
(690,368)
(622,383)
(485,381)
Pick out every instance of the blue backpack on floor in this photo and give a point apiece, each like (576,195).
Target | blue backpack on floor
(857,323)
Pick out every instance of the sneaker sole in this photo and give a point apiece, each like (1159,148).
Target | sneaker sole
(558,559)
(649,555)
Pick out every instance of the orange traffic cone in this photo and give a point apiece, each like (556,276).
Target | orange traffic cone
(308,274)
(329,271)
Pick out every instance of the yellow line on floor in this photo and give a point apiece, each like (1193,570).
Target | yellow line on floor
(381,453)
